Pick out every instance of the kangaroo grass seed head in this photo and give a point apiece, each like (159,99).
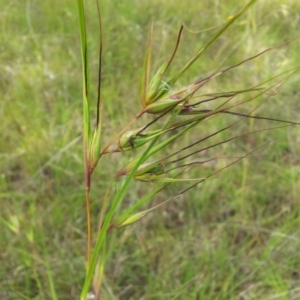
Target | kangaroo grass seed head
(152,168)
(149,177)
(163,105)
(132,219)
(136,138)
(157,88)
(174,98)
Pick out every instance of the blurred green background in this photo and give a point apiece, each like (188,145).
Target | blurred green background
(233,237)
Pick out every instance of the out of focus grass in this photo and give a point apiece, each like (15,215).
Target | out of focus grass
(234,237)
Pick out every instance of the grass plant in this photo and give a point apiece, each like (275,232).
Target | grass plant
(219,232)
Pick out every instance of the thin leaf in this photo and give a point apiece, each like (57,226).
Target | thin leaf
(99,108)
(214,38)
(146,70)
(85,73)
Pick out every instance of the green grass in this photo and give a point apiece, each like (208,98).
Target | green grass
(233,237)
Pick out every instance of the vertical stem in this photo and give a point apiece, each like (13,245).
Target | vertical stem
(88,175)
(100,271)
(88,220)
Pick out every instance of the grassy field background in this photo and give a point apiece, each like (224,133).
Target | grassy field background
(233,237)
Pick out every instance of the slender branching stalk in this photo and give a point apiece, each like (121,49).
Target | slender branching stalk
(179,110)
